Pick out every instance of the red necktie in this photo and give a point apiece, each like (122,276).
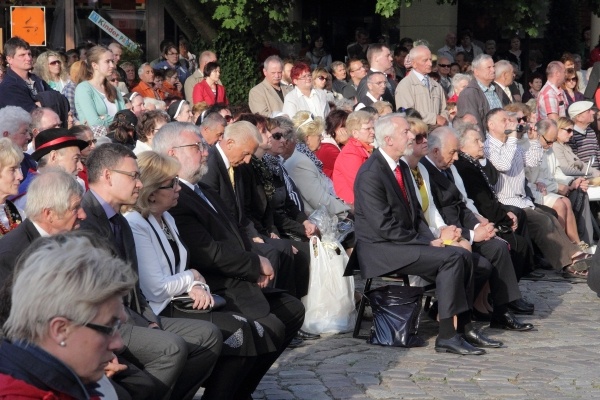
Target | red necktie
(400,180)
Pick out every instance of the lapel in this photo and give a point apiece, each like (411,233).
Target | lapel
(388,174)
(226,183)
(93,208)
(165,242)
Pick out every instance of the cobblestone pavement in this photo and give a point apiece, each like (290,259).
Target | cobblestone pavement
(558,360)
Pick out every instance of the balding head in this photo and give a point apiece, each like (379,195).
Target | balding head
(443,147)
(239,142)
(421,59)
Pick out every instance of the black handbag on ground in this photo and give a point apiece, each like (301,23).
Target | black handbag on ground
(396,315)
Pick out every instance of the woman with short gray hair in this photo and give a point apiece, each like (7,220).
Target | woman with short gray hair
(10,178)
(60,340)
(459,82)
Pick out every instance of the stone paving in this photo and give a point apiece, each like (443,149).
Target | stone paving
(558,360)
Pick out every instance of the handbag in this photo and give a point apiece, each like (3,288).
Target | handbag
(329,302)
(396,315)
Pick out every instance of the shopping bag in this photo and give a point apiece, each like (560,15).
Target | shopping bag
(329,303)
(396,313)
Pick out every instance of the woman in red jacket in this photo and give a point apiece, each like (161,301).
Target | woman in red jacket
(209,90)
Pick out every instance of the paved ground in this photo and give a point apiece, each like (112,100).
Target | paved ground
(559,360)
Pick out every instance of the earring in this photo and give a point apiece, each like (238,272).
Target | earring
(62,343)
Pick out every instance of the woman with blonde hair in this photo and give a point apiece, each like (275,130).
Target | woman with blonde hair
(165,272)
(96,100)
(51,67)
(360,125)
(10,178)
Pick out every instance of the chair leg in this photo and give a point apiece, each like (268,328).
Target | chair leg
(361,308)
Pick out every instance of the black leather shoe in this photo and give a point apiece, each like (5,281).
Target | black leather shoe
(457,345)
(477,339)
(541,263)
(521,307)
(296,342)
(533,275)
(478,316)
(509,322)
(307,336)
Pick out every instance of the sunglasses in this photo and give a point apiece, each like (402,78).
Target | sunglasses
(420,138)
(55,62)
(322,78)
(277,136)
(228,118)
(522,119)
(174,182)
(444,65)
(113,80)
(91,142)
(571,80)
(548,142)
(569,130)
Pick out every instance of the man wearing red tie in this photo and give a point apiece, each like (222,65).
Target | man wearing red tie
(392,235)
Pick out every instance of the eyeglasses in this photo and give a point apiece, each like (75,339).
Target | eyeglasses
(55,62)
(357,69)
(522,119)
(174,182)
(199,145)
(277,136)
(106,330)
(91,142)
(571,80)
(133,174)
(444,65)
(547,141)
(569,130)
(228,118)
(173,54)
(114,80)
(420,138)
(304,77)
(321,78)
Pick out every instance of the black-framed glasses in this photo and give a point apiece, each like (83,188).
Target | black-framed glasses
(571,80)
(420,138)
(444,65)
(522,119)
(277,136)
(135,175)
(548,142)
(228,118)
(569,130)
(199,145)
(174,182)
(106,330)
(91,142)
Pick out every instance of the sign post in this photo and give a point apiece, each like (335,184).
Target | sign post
(112,31)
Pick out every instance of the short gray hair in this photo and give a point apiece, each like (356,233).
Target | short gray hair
(12,118)
(72,276)
(271,59)
(544,125)
(385,127)
(212,120)
(141,68)
(479,60)
(553,67)
(502,66)
(242,131)
(417,50)
(462,130)
(287,125)
(458,78)
(435,140)
(169,135)
(51,190)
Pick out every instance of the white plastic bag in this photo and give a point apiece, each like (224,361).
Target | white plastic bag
(330,300)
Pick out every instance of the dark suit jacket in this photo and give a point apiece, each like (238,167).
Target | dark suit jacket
(448,200)
(218,180)
(361,90)
(218,250)
(13,244)
(14,91)
(256,204)
(481,194)
(97,221)
(384,221)
(472,101)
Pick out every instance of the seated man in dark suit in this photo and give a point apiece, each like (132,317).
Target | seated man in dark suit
(221,252)
(443,150)
(46,215)
(179,354)
(389,222)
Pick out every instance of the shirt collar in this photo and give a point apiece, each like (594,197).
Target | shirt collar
(186,183)
(419,75)
(484,88)
(223,156)
(41,231)
(391,163)
(108,210)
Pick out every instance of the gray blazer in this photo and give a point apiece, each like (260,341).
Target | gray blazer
(315,188)
(264,100)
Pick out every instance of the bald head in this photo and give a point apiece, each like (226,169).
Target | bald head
(443,147)
(421,59)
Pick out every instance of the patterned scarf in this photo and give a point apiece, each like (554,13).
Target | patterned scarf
(480,168)
(275,165)
(264,174)
(302,148)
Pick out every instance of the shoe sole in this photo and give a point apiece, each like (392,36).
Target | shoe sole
(506,328)
(520,312)
(444,350)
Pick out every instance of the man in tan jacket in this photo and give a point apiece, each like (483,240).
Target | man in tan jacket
(267,97)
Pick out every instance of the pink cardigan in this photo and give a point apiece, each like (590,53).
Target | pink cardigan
(352,156)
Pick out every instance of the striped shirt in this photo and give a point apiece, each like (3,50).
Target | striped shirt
(510,160)
(585,145)
(551,100)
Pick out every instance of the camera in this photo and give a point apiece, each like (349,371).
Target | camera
(522,128)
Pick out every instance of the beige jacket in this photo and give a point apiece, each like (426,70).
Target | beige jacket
(412,93)
(264,100)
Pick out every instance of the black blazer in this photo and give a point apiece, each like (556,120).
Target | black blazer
(218,250)
(97,221)
(218,180)
(13,244)
(449,202)
(383,220)
(480,192)
(361,90)
(256,204)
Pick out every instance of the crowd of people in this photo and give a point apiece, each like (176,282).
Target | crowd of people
(155,238)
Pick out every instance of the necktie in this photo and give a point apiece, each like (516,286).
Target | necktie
(400,180)
(118,234)
(426,81)
(203,197)
(422,190)
(230,172)
(448,174)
